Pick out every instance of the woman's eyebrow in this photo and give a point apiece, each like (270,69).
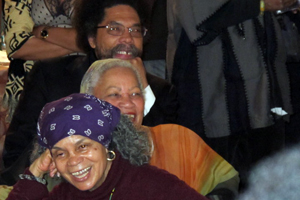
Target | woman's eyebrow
(76,143)
(80,141)
(56,148)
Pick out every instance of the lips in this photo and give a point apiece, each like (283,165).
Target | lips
(82,173)
(125,52)
(124,55)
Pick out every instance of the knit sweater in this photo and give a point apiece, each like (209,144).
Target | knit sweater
(130,182)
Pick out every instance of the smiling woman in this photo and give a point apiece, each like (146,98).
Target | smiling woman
(117,82)
(99,153)
(68,154)
(187,156)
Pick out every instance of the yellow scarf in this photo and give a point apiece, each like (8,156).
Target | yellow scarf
(183,153)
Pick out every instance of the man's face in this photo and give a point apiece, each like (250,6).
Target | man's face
(124,46)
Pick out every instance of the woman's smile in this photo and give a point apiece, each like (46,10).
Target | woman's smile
(82,173)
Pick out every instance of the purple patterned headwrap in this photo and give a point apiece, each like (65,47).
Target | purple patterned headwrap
(77,114)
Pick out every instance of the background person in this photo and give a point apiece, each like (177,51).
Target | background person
(34,30)
(78,131)
(227,60)
(276,177)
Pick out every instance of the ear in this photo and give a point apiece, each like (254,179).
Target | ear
(92,42)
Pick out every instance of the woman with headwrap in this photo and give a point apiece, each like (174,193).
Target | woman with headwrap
(98,152)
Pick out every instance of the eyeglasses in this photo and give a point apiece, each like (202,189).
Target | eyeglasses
(118,29)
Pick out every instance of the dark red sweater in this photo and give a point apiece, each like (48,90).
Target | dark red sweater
(130,182)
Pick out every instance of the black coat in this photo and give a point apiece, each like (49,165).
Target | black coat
(56,78)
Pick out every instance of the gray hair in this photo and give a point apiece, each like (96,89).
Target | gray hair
(94,74)
(36,151)
(132,143)
(276,177)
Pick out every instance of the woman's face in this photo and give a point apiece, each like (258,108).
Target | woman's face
(119,86)
(81,161)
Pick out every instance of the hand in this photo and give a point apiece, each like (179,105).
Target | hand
(139,66)
(42,165)
(53,170)
(273,5)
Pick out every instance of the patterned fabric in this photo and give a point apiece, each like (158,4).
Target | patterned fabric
(189,158)
(77,114)
(57,14)
(20,16)
(4,191)
(18,24)
(230,92)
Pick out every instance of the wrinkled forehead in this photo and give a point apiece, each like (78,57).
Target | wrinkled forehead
(120,74)
(72,142)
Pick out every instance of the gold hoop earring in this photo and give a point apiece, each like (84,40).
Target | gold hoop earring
(111,155)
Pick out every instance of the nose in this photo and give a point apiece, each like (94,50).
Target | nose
(126,37)
(126,102)
(74,159)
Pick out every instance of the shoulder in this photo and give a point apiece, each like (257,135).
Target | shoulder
(161,88)
(176,131)
(154,80)
(195,159)
(61,62)
(59,191)
(153,177)
(58,68)
(159,85)
(55,78)
(161,184)
(149,175)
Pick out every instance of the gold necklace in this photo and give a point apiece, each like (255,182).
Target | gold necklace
(111,194)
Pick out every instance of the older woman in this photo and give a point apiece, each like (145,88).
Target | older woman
(86,145)
(174,148)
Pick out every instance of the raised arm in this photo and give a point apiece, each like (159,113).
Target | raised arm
(64,37)
(24,41)
(31,185)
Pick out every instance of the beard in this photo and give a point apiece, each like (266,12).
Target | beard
(110,53)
